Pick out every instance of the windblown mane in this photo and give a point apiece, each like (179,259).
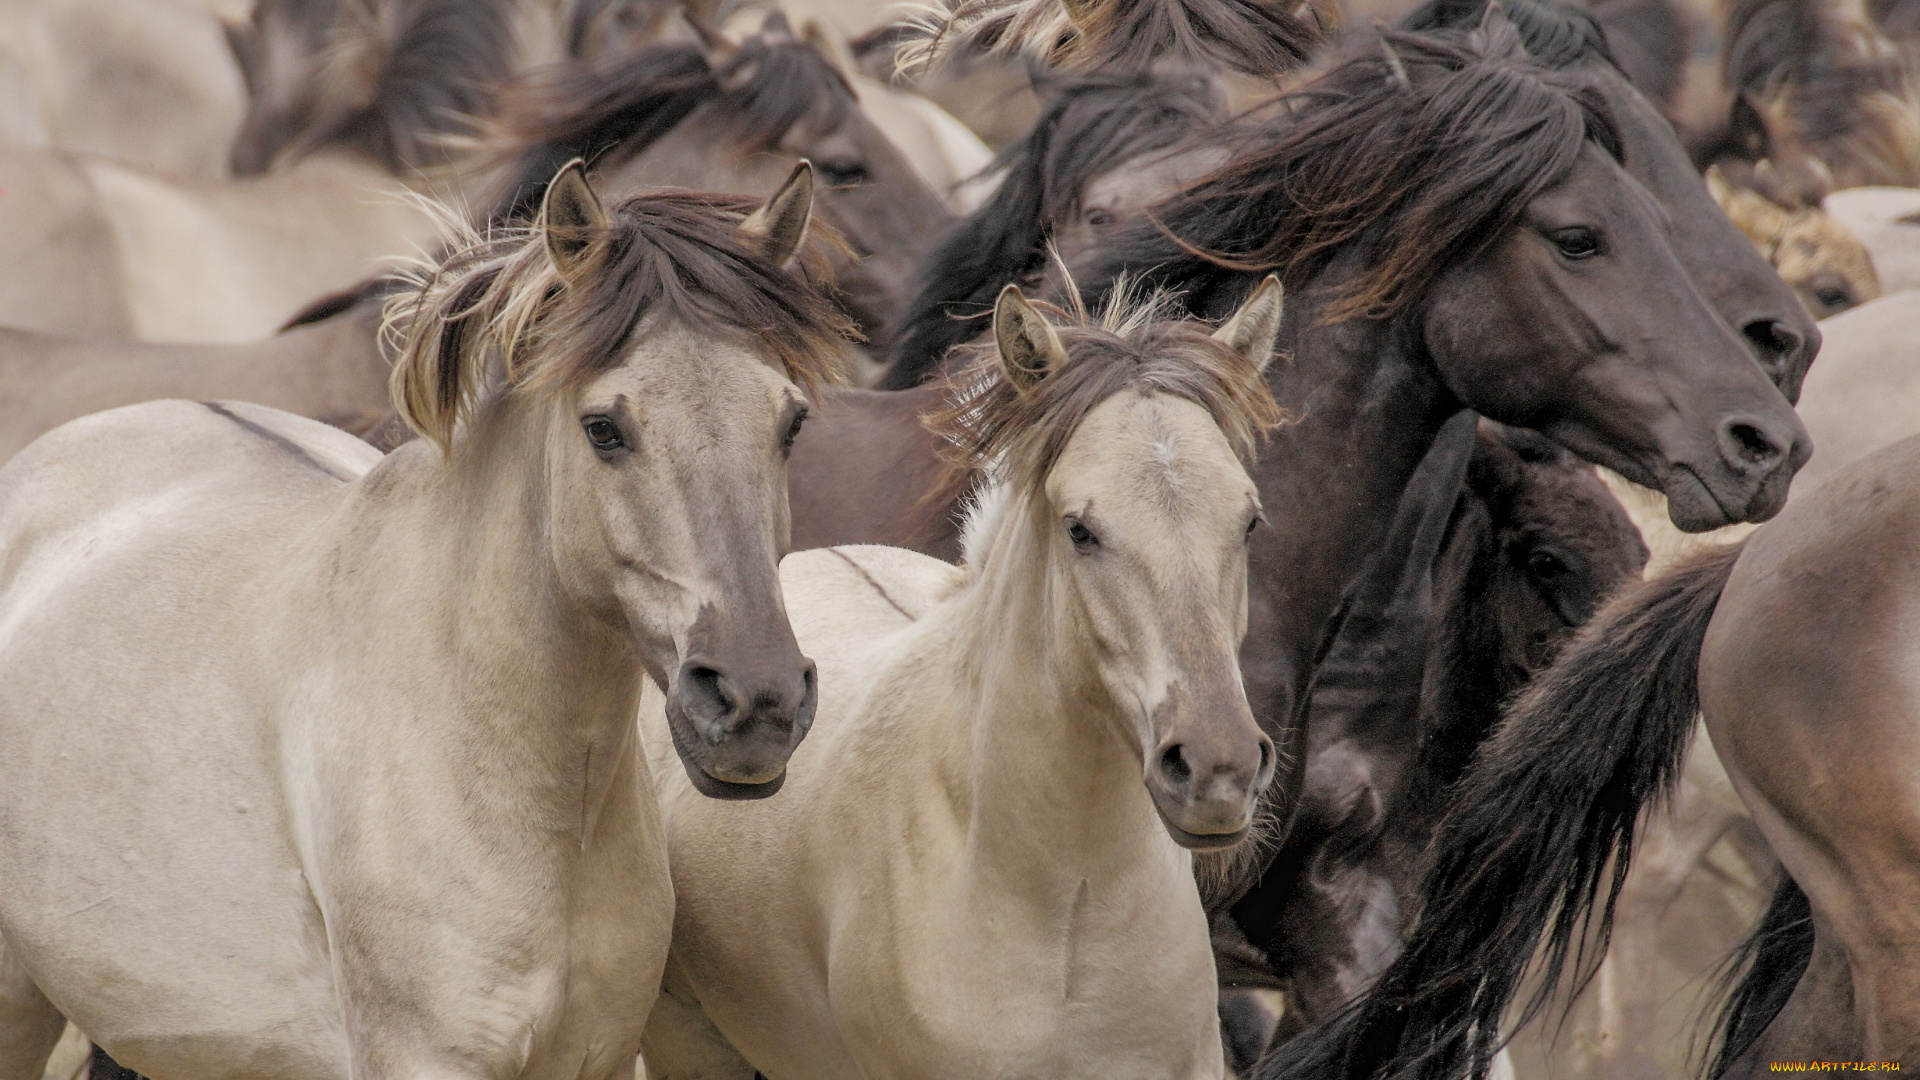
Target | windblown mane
(1816,80)
(1260,37)
(1416,149)
(1014,437)
(1090,126)
(610,113)
(497,303)
(395,77)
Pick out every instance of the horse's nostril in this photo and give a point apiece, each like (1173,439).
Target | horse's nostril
(1752,444)
(1174,764)
(702,694)
(1772,341)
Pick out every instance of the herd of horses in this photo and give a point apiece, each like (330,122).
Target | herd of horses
(566,536)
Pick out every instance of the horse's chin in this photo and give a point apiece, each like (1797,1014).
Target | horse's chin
(1201,842)
(715,788)
(689,749)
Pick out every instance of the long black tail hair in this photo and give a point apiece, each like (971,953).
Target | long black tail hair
(1539,833)
(1769,964)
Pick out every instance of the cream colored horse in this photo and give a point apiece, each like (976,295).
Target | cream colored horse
(979,867)
(318,764)
(1822,260)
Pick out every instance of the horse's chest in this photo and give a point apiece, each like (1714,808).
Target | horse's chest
(1088,983)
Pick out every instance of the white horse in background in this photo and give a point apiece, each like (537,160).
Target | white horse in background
(315,764)
(980,866)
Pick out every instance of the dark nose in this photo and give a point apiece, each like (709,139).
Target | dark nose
(1754,447)
(750,717)
(1205,787)
(1782,352)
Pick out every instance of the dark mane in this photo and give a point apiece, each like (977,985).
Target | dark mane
(1555,35)
(1090,126)
(1258,37)
(1415,149)
(989,427)
(679,254)
(609,113)
(401,78)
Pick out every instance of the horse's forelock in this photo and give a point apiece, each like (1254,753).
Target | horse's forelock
(989,427)
(1423,172)
(677,255)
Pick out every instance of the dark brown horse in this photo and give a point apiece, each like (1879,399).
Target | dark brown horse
(1104,149)
(1798,650)
(1429,271)
(1502,545)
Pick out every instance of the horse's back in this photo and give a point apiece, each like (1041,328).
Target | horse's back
(848,598)
(138,772)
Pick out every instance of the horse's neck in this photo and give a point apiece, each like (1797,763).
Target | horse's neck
(1368,406)
(459,555)
(1056,790)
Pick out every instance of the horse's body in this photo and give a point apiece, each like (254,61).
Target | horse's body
(972,904)
(351,784)
(150,85)
(327,371)
(107,250)
(1501,547)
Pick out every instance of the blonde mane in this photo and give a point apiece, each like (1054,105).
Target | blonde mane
(1011,437)
(498,304)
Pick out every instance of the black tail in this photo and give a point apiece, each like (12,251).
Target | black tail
(1770,961)
(1542,821)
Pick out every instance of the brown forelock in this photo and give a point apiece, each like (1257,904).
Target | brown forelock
(609,113)
(677,254)
(1422,173)
(990,427)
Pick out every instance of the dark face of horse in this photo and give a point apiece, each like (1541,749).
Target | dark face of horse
(1741,286)
(1554,327)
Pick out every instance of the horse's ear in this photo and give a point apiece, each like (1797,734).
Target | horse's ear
(571,218)
(779,227)
(1029,346)
(1496,35)
(1251,330)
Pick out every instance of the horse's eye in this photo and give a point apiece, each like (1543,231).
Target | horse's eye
(793,431)
(1082,537)
(842,173)
(1252,524)
(1545,564)
(1099,218)
(1577,243)
(1833,299)
(603,433)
